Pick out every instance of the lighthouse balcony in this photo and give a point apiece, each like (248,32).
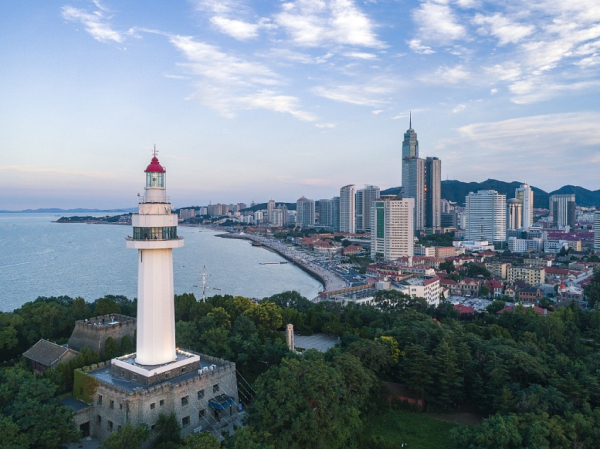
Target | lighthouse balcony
(154,244)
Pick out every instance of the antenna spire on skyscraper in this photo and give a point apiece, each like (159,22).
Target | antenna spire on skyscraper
(410,120)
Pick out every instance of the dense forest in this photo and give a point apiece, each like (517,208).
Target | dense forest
(534,378)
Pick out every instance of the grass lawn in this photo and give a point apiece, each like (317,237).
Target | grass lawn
(415,430)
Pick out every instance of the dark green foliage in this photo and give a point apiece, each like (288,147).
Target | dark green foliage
(445,239)
(111,349)
(304,403)
(84,386)
(63,375)
(106,306)
(168,432)
(447,265)
(126,345)
(127,437)
(474,270)
(30,415)
(203,440)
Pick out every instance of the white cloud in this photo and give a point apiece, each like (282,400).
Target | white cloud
(416,46)
(448,75)
(509,71)
(273,101)
(437,23)
(235,28)
(216,6)
(502,28)
(526,141)
(210,62)
(459,108)
(493,91)
(369,94)
(313,23)
(360,55)
(95,23)
(228,83)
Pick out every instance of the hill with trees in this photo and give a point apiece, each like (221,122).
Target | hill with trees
(453,190)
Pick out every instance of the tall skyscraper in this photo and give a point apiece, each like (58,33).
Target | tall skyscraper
(270,208)
(348,209)
(486,216)
(326,212)
(414,187)
(597,231)
(525,195)
(392,228)
(433,192)
(562,209)
(421,180)
(514,216)
(155,236)
(410,149)
(305,212)
(335,213)
(364,203)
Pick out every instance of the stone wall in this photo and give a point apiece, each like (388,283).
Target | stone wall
(94,332)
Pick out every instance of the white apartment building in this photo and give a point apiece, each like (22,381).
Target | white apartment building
(525,195)
(392,228)
(421,287)
(364,203)
(305,212)
(486,216)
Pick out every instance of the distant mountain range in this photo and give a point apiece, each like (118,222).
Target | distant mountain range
(457,190)
(66,211)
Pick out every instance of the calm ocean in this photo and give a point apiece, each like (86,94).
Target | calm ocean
(41,258)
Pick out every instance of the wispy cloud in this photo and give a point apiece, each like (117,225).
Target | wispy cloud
(502,28)
(313,23)
(229,83)
(372,94)
(528,142)
(416,46)
(235,28)
(437,23)
(448,75)
(96,23)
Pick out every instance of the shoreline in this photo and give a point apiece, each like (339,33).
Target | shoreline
(327,278)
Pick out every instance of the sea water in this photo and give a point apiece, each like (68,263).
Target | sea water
(41,258)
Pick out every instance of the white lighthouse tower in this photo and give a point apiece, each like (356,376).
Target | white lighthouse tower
(155,236)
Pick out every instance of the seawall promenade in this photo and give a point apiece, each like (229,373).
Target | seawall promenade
(330,280)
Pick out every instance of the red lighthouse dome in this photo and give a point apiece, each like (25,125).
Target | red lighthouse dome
(155,166)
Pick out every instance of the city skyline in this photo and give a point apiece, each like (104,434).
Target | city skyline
(244,99)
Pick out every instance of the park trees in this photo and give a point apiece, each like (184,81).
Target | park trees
(30,415)
(127,437)
(302,403)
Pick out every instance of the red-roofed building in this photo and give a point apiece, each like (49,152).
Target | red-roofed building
(539,310)
(463,310)
(496,288)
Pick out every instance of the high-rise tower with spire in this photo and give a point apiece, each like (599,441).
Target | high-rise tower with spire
(421,180)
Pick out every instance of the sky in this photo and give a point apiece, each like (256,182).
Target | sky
(253,100)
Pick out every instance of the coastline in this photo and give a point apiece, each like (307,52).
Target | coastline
(330,280)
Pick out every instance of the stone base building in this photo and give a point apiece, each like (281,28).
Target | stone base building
(200,390)
(94,332)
